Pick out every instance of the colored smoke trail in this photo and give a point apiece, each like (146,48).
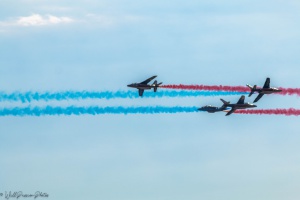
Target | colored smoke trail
(80,95)
(242,89)
(287,112)
(290,91)
(208,87)
(93,110)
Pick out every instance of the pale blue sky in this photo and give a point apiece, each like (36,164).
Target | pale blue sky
(105,45)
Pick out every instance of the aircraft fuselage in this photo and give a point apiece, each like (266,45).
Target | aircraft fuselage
(141,86)
(241,106)
(212,109)
(268,90)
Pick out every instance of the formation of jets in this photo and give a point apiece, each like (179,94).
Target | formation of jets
(236,106)
(226,107)
(241,103)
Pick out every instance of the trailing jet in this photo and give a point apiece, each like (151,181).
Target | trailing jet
(261,91)
(239,105)
(144,85)
(213,109)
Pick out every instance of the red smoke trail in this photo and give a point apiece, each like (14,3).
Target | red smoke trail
(208,87)
(287,112)
(285,91)
(290,91)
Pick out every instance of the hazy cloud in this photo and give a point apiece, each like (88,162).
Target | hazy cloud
(36,20)
(39,20)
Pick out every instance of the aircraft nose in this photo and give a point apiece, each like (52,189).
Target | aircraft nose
(130,85)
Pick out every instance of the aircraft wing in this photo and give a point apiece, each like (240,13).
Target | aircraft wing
(148,80)
(241,100)
(258,97)
(141,92)
(230,112)
(267,83)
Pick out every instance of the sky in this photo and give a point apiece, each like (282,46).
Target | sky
(104,45)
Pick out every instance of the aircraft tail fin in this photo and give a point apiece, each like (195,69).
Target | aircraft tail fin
(156,85)
(225,103)
(253,89)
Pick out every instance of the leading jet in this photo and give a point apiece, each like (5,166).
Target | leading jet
(144,85)
(213,109)
(261,91)
(239,105)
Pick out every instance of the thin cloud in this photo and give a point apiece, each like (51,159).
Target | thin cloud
(36,20)
(39,20)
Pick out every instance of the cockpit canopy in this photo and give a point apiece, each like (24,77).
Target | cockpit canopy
(209,107)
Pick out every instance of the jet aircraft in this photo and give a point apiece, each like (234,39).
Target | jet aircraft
(145,86)
(213,109)
(261,91)
(239,105)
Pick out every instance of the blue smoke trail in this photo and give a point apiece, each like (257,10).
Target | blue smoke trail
(93,110)
(80,95)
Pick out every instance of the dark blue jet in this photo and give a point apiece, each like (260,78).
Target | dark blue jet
(261,91)
(239,105)
(144,85)
(212,109)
